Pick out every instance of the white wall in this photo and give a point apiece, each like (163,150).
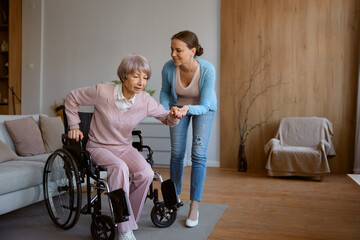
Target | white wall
(69,44)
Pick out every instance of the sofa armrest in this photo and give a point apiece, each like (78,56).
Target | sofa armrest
(271,144)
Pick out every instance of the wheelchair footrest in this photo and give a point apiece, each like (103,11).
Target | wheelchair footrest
(120,205)
(171,199)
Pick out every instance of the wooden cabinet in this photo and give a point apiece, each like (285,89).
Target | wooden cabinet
(10,56)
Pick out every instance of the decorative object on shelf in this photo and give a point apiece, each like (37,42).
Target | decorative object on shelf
(4,17)
(151,92)
(6,65)
(242,111)
(4,46)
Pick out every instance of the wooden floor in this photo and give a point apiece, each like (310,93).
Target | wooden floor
(260,207)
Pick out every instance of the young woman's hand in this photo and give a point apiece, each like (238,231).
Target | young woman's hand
(182,111)
(75,134)
(179,112)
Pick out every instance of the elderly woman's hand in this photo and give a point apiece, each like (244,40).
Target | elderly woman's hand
(75,134)
(173,112)
(179,112)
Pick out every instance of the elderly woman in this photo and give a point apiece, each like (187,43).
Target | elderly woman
(118,109)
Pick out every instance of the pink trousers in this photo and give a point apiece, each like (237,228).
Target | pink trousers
(119,163)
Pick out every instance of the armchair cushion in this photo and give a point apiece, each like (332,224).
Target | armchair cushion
(306,132)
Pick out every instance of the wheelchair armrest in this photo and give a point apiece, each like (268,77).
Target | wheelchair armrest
(136,133)
(66,141)
(138,145)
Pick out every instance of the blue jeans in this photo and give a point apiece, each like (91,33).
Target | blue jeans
(201,125)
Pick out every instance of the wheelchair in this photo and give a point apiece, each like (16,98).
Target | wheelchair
(68,168)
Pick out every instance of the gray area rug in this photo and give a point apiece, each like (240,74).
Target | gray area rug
(33,222)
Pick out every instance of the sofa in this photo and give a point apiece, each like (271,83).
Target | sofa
(26,141)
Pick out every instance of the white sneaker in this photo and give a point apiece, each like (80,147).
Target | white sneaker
(126,235)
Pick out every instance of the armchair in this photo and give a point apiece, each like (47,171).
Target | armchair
(300,148)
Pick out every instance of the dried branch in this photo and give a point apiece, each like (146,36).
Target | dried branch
(261,92)
(256,72)
(258,69)
(257,125)
(244,127)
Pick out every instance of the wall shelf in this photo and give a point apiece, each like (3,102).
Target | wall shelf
(4,27)
(10,56)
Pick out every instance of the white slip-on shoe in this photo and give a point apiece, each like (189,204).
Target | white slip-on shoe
(191,223)
(129,235)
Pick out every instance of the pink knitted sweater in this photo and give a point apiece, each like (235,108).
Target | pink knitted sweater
(109,125)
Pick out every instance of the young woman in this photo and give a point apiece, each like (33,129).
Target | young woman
(118,109)
(188,86)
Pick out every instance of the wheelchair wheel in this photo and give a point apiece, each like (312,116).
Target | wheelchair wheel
(161,216)
(103,228)
(62,189)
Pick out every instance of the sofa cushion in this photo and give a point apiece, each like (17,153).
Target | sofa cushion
(26,136)
(51,129)
(37,158)
(4,135)
(16,175)
(7,153)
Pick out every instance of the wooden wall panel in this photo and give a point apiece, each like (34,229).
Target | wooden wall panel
(15,53)
(313,47)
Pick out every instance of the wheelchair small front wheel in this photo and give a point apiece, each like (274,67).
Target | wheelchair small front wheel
(62,189)
(103,228)
(161,216)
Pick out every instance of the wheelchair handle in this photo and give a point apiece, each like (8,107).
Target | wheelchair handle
(61,107)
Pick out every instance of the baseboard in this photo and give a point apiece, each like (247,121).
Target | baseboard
(355,177)
(213,164)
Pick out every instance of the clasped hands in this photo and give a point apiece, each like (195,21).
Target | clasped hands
(178,113)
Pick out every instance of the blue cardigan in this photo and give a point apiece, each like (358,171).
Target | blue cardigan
(208,102)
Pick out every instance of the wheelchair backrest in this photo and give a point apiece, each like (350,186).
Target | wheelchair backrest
(84,125)
(77,149)
(85,120)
